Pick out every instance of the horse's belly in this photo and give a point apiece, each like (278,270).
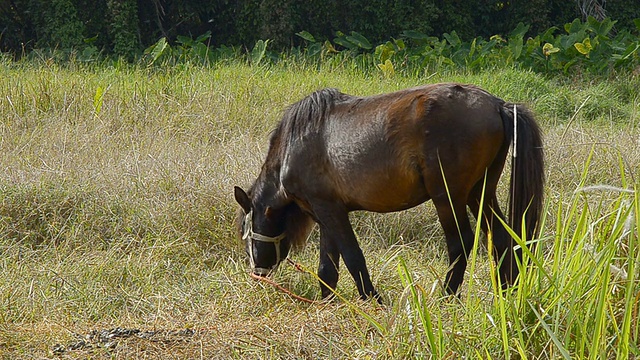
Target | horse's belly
(386,192)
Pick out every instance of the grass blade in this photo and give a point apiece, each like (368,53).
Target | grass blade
(565,354)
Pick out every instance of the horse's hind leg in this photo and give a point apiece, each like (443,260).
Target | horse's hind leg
(457,229)
(503,244)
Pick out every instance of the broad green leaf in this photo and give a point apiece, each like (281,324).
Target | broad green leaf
(314,49)
(343,41)
(519,31)
(359,40)
(415,35)
(567,41)
(549,49)
(258,51)
(581,48)
(488,46)
(306,35)
(626,55)
(496,38)
(575,26)
(157,49)
(204,37)
(387,69)
(601,28)
(515,44)
(452,38)
(385,51)
(548,34)
(584,47)
(184,40)
(90,40)
(569,64)
(329,48)
(472,48)
(516,40)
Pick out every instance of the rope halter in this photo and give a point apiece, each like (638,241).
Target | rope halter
(248,234)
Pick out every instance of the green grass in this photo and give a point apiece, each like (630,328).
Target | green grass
(116,211)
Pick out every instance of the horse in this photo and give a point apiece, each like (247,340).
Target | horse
(333,153)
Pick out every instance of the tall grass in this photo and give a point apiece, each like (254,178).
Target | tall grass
(578,298)
(116,211)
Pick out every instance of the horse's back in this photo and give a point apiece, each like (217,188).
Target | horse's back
(385,152)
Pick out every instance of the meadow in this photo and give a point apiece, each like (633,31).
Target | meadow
(116,213)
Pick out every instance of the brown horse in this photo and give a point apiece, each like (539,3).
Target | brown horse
(333,153)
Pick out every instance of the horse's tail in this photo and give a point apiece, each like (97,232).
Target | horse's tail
(527,169)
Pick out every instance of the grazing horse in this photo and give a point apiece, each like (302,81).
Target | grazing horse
(333,153)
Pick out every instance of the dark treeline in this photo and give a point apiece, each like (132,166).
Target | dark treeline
(126,27)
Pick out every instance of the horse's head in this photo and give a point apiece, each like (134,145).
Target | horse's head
(261,227)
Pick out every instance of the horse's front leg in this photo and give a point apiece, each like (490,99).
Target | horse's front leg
(336,236)
(329,265)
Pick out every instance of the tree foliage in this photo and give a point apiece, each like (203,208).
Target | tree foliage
(125,28)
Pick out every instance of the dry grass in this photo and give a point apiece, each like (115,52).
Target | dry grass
(116,211)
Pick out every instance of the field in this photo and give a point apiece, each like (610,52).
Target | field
(116,212)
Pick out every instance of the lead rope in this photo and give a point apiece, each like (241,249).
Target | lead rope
(282,288)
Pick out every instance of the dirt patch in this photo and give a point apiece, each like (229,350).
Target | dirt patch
(110,339)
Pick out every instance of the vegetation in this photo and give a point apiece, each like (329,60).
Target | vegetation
(116,220)
(123,28)
(591,46)
(410,37)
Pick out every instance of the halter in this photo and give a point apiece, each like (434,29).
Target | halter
(249,234)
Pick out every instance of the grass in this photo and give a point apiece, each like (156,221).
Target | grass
(116,211)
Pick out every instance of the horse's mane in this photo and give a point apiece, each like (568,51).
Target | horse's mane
(310,113)
(298,226)
(301,118)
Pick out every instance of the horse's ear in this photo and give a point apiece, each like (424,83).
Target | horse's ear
(242,198)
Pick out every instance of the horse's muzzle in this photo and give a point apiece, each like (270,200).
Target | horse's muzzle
(261,272)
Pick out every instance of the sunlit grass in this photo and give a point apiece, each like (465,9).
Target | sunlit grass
(116,211)
(578,299)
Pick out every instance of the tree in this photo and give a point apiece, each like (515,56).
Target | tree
(124,27)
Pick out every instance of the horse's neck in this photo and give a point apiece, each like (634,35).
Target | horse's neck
(270,186)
